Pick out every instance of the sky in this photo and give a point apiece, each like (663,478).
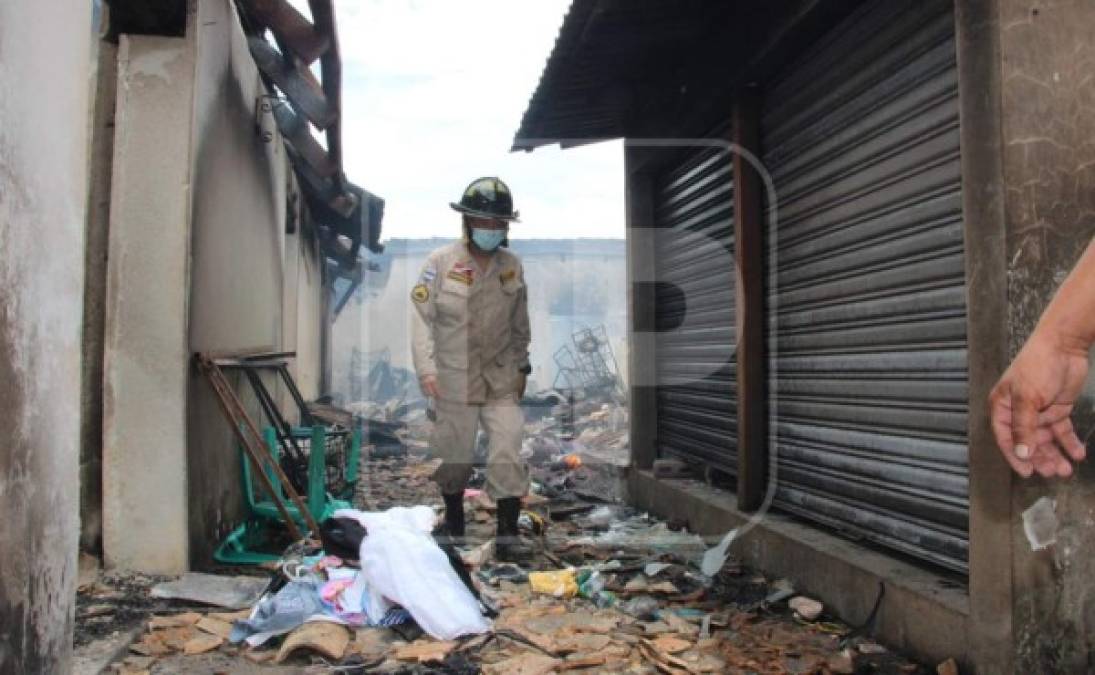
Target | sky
(433,92)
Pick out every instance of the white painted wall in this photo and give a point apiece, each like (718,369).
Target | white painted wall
(253,287)
(45,68)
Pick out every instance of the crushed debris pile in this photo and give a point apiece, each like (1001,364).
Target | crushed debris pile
(611,591)
(584,412)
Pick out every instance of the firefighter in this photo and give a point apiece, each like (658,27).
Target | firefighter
(470,338)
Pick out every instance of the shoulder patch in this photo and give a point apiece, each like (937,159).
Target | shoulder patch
(420,293)
(508,275)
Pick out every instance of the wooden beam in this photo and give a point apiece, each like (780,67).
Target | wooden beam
(323,12)
(290,27)
(749,312)
(296,81)
(296,132)
(247,432)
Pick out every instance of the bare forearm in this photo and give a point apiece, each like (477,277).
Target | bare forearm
(1070,316)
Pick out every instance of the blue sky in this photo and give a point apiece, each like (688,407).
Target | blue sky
(433,91)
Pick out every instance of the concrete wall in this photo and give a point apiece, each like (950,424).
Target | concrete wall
(237,293)
(990,578)
(45,65)
(199,261)
(145,371)
(1047,99)
(1028,176)
(302,316)
(304,333)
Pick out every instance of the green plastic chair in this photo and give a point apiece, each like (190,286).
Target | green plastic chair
(245,544)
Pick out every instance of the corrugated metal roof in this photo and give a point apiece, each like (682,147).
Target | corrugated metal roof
(584,89)
(624,68)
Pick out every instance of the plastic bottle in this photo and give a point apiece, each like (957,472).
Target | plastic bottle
(604,599)
(591,585)
(641,607)
(589,582)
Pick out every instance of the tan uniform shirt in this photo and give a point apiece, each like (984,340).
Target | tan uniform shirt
(471,326)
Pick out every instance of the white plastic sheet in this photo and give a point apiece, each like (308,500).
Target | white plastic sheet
(401,564)
(715,557)
(1040,524)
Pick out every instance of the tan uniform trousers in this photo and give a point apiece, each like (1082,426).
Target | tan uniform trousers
(453,438)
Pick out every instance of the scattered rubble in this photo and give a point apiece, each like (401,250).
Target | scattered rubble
(805,608)
(326,639)
(662,614)
(611,590)
(211,589)
(948,667)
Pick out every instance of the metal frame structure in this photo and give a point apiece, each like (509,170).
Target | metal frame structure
(249,436)
(252,366)
(590,365)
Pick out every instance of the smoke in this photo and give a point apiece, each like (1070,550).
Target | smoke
(572,284)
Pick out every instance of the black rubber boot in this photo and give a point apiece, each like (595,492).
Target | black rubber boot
(508,546)
(454,516)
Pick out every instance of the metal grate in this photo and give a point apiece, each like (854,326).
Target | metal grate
(867,314)
(336,458)
(694,311)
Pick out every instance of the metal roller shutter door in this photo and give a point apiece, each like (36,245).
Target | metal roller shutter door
(867,305)
(694,311)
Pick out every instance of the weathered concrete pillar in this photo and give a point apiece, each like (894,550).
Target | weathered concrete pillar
(146,352)
(45,59)
(1028,145)
(990,581)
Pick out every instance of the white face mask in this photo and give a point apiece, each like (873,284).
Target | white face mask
(487,240)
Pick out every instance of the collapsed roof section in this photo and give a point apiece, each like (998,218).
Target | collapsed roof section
(347,215)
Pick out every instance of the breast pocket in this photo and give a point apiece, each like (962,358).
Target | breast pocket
(452,300)
(511,289)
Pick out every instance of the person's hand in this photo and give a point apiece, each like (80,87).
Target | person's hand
(1032,403)
(522,382)
(429,386)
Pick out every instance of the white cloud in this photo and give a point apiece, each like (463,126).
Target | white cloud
(433,91)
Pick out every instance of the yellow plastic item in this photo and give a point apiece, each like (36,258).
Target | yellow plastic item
(560,583)
(537,523)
